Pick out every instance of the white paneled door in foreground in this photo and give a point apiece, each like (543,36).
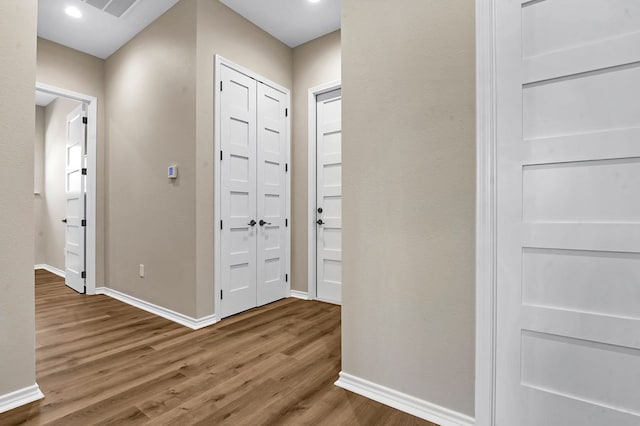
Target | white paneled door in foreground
(75,223)
(329,196)
(253,192)
(568,313)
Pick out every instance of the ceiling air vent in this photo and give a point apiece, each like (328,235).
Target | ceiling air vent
(116,8)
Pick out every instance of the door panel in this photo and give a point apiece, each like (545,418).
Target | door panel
(75,201)
(271,193)
(568,342)
(329,196)
(253,193)
(238,193)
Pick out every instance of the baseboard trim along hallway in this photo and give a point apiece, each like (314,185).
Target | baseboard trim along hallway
(53,270)
(185,320)
(299,294)
(401,401)
(20,397)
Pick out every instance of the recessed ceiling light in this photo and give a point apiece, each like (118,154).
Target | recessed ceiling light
(314,1)
(73,11)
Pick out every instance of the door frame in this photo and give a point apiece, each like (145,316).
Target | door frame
(217,252)
(91,179)
(312,147)
(486,208)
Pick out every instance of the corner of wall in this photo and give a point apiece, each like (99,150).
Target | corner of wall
(18,22)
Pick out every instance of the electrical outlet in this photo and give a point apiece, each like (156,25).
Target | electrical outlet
(141,270)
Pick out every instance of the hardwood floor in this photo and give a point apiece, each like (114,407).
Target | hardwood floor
(100,361)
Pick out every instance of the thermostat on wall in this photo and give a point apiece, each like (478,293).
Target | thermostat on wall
(173,172)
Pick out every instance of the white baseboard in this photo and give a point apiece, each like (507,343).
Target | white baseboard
(53,270)
(299,294)
(333,302)
(20,397)
(187,321)
(403,402)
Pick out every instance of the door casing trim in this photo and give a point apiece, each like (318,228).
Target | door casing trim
(486,210)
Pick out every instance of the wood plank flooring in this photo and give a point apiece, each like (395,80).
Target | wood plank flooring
(102,362)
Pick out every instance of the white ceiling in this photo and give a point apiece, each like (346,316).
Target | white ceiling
(293,22)
(97,33)
(100,34)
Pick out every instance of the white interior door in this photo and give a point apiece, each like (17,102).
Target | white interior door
(568,99)
(238,192)
(75,200)
(329,196)
(272,192)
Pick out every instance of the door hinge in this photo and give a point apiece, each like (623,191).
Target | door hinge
(286,112)
(83,275)
(84,120)
(286,222)
(221,86)
(286,167)
(286,278)
(220,224)
(84,171)
(84,222)
(220,155)
(221,295)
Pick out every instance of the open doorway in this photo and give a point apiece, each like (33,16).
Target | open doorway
(65,186)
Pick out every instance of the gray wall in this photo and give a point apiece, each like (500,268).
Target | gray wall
(150,91)
(17,132)
(409,197)
(314,63)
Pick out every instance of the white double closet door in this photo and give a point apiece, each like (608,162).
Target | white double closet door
(253,200)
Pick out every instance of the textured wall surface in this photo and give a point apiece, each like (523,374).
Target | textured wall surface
(409,197)
(150,91)
(17,134)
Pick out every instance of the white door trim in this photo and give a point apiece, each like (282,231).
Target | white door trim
(312,188)
(217,259)
(486,229)
(92,144)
